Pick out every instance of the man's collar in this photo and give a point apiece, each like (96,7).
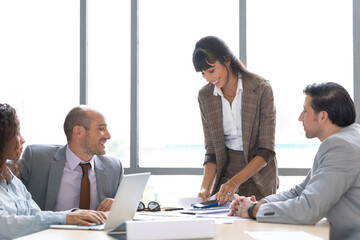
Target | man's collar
(74,160)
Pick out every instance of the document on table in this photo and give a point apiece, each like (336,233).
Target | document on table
(282,235)
(204,211)
(161,215)
(219,214)
(186,202)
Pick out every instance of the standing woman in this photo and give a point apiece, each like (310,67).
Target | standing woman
(238,117)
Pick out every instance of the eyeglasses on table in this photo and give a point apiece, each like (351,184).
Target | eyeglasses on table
(152,206)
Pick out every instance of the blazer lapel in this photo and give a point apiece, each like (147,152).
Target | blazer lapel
(102,178)
(55,174)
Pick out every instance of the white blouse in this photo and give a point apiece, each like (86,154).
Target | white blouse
(232,118)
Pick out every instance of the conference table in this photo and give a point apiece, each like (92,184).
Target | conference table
(239,229)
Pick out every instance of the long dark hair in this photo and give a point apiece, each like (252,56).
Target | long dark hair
(211,49)
(8,129)
(333,99)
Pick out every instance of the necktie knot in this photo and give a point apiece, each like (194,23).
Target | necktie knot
(85,167)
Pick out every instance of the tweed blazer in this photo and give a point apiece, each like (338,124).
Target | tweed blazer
(258,129)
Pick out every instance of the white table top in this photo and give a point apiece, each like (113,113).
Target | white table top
(236,230)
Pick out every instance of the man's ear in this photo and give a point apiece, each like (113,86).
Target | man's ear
(78,131)
(323,116)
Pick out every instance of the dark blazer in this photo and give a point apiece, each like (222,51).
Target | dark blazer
(258,130)
(41,169)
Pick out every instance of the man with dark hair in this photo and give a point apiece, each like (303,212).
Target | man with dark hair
(335,100)
(332,186)
(76,175)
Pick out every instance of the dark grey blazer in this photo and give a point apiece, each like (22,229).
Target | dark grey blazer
(41,169)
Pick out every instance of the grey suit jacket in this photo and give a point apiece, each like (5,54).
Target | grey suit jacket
(41,169)
(258,129)
(331,189)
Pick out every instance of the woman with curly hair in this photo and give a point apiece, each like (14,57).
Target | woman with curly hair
(10,140)
(19,214)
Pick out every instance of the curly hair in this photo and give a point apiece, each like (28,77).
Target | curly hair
(8,129)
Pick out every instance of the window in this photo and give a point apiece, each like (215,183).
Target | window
(40,64)
(170,130)
(109,71)
(293,44)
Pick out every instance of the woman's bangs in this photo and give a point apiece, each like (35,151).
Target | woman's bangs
(202,60)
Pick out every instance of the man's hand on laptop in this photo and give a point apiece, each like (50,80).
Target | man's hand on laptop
(105,205)
(85,217)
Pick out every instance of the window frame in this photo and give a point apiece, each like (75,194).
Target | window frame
(134,113)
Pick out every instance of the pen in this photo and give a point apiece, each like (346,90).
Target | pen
(173,209)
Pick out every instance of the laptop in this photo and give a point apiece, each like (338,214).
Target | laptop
(125,204)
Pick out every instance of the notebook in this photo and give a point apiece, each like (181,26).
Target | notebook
(125,203)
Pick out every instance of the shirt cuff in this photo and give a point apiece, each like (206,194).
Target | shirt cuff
(59,217)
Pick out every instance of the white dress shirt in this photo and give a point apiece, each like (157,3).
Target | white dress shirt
(69,191)
(232,118)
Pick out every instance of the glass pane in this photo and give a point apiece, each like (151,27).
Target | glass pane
(40,64)
(170,130)
(293,44)
(167,189)
(109,70)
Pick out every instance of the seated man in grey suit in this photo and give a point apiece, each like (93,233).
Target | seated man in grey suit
(52,173)
(332,186)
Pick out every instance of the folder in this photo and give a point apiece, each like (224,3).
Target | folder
(165,229)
